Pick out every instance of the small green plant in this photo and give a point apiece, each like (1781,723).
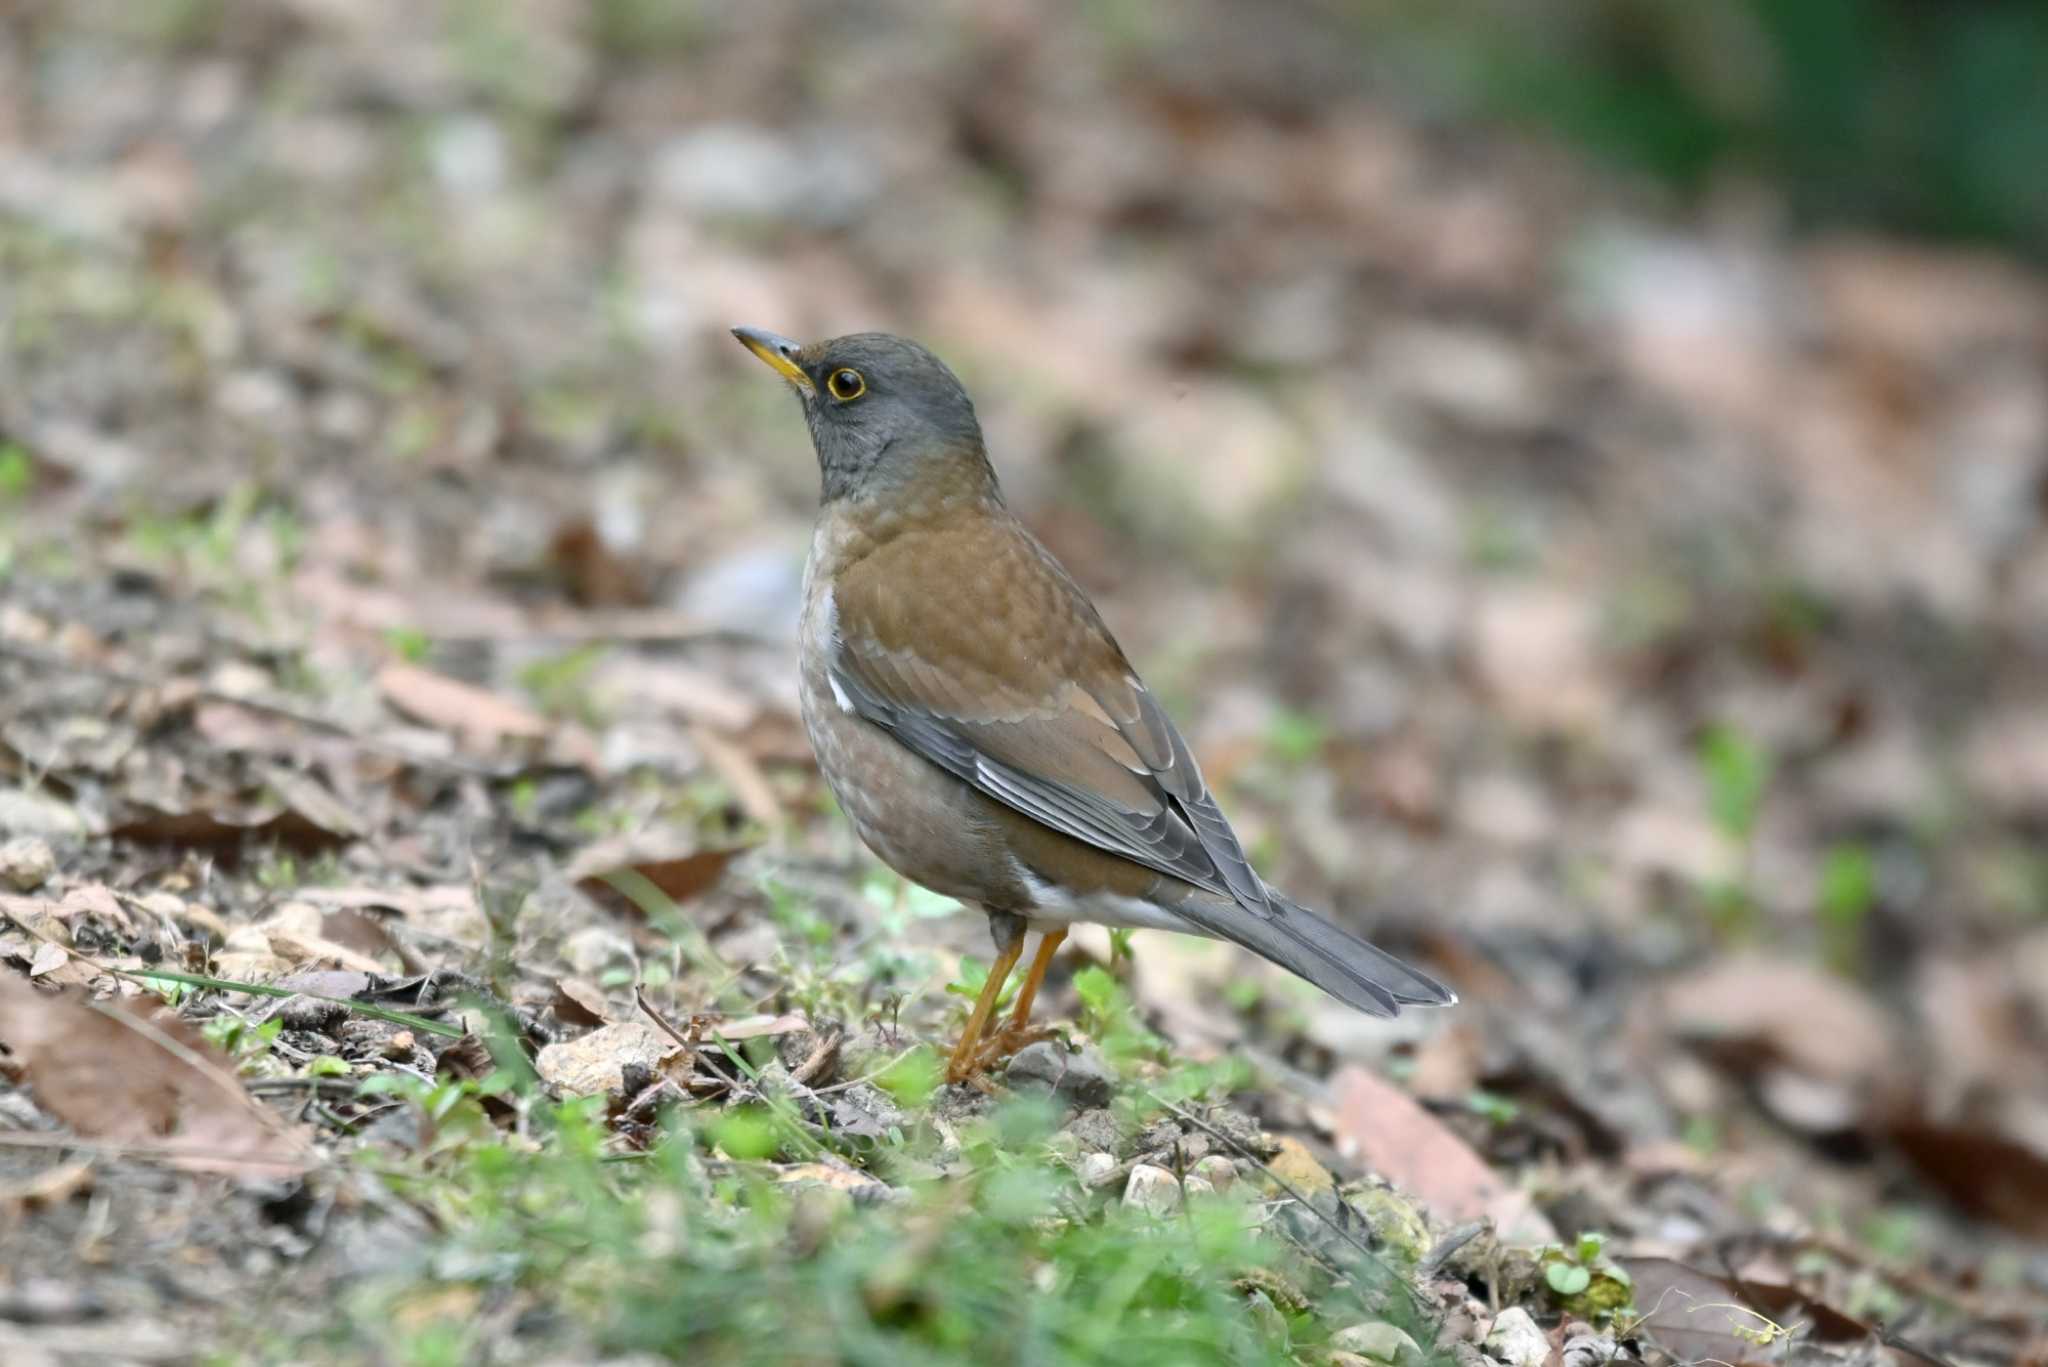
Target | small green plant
(1109,1016)
(1848,890)
(1737,773)
(409,644)
(1585,1280)
(279,872)
(17,471)
(797,917)
(974,976)
(240,1040)
(561,683)
(899,902)
(1294,738)
(1498,1110)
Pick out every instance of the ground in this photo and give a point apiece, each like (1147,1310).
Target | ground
(1635,613)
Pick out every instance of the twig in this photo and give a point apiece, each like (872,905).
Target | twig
(876,1075)
(330,1086)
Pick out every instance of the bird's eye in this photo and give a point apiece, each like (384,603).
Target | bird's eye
(846,384)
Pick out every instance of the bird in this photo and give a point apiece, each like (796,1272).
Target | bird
(981,728)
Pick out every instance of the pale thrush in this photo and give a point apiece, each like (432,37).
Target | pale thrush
(978,723)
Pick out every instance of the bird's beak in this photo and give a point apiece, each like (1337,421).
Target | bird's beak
(778,352)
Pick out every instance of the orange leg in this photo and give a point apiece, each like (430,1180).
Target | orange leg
(966,1054)
(1017,1031)
(1048,944)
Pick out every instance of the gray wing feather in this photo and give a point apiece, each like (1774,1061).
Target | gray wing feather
(1184,837)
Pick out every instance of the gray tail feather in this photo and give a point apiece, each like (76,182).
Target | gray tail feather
(1306,945)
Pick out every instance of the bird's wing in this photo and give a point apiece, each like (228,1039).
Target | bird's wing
(970,645)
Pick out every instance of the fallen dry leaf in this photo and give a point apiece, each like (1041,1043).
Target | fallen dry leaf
(295,932)
(357,930)
(481,718)
(678,878)
(595,1063)
(748,1027)
(1986,1174)
(48,958)
(207,829)
(1701,1317)
(578,1002)
(596,575)
(53,1186)
(1750,1007)
(1383,1128)
(144,1079)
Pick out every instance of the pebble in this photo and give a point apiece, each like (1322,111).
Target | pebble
(1297,1167)
(37,814)
(1080,1078)
(1516,1340)
(26,863)
(1154,1189)
(1095,1168)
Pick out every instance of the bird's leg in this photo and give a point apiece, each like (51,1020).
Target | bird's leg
(966,1060)
(1017,1031)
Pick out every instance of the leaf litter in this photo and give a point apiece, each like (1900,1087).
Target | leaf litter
(1602,634)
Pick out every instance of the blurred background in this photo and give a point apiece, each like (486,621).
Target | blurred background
(1579,474)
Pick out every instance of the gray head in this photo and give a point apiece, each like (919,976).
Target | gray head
(882,410)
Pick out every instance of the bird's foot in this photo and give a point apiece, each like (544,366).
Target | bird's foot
(1008,1040)
(994,1049)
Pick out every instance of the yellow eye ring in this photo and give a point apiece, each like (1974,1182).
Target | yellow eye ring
(845,384)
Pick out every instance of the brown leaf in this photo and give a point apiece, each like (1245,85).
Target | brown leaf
(295,933)
(597,575)
(1986,1174)
(1783,1012)
(1700,1317)
(1382,1127)
(578,1002)
(147,825)
(481,718)
(357,930)
(679,878)
(144,1079)
(96,899)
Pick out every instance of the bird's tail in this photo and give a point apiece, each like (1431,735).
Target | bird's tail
(1306,945)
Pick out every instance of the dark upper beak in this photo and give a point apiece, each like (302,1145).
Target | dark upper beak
(778,352)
